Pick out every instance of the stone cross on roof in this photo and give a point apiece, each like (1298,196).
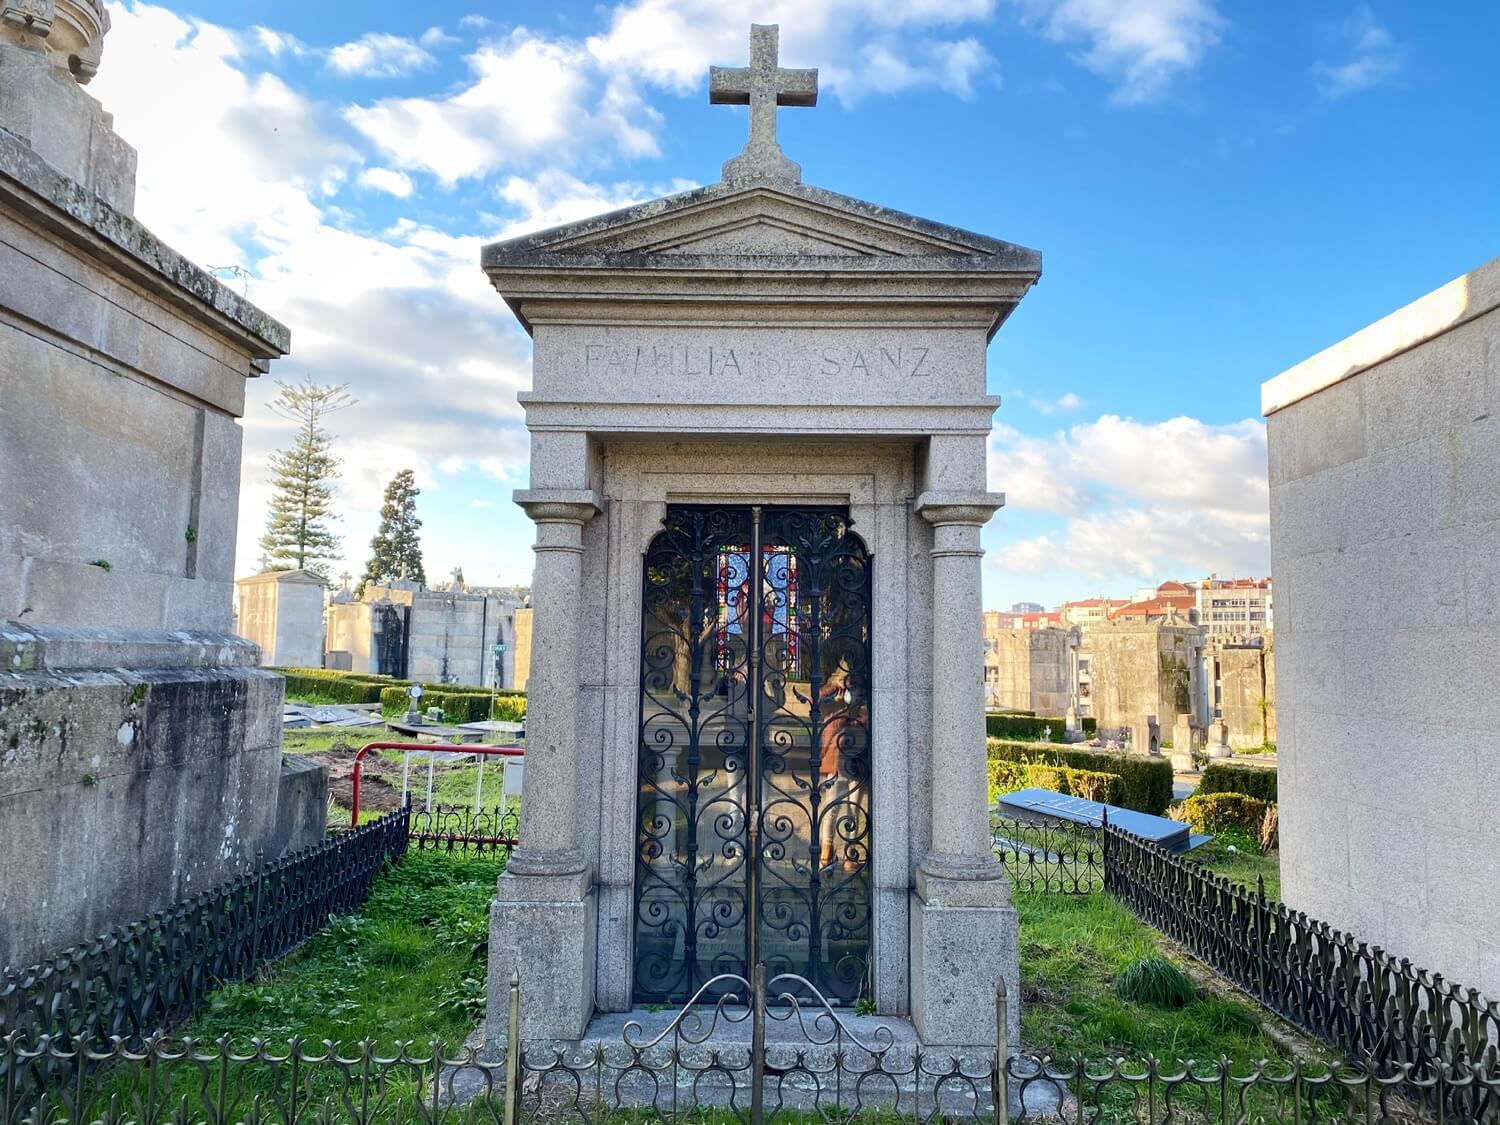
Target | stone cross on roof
(763,86)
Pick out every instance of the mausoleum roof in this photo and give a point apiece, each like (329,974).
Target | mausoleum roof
(777,240)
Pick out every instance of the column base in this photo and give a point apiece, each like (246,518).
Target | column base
(961,946)
(546,927)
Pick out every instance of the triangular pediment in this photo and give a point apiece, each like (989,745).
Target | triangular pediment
(785,226)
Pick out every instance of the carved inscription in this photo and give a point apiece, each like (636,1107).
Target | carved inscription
(687,361)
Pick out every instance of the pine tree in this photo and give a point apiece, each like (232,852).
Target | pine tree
(298,535)
(396,551)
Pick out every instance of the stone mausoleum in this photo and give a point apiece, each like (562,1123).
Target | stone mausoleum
(758,424)
(140,747)
(1385,541)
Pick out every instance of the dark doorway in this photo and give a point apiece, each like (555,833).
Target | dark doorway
(753,813)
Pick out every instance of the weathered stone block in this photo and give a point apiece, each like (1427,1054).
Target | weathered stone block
(959,954)
(552,942)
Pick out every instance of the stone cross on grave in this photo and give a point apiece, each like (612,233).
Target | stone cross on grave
(762,86)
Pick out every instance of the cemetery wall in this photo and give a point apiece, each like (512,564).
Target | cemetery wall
(1141,669)
(351,639)
(1245,699)
(282,612)
(1031,671)
(1385,539)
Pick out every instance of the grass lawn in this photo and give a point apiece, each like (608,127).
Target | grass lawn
(1073,948)
(319,740)
(411,966)
(1243,866)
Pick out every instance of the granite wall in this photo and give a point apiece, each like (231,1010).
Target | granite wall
(139,744)
(1142,669)
(1385,541)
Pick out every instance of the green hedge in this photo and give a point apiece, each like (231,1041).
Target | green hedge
(339,690)
(1027,724)
(1147,781)
(1011,725)
(464,705)
(1215,812)
(1253,781)
(461,703)
(1091,785)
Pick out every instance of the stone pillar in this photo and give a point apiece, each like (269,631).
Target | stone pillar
(1182,743)
(1145,736)
(543,920)
(963,926)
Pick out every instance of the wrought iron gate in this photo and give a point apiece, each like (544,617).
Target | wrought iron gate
(753,814)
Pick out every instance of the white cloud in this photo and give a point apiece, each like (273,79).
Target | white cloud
(1374,57)
(554,197)
(387,180)
(244,154)
(672,43)
(1062,404)
(1138,498)
(377,54)
(481,503)
(530,97)
(435,37)
(1139,45)
(277,43)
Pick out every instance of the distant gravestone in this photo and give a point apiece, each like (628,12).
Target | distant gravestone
(1182,743)
(1145,736)
(1218,739)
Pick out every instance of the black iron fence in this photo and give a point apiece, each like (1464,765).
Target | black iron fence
(1052,858)
(136,979)
(452,828)
(1356,997)
(766,1049)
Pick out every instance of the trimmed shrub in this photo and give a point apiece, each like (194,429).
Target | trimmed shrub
(1253,781)
(1011,724)
(1089,725)
(510,707)
(333,688)
(1091,785)
(1147,781)
(1216,812)
(465,705)
(1157,982)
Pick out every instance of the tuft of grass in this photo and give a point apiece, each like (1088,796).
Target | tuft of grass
(1157,982)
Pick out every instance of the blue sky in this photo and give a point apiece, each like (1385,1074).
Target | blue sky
(1218,191)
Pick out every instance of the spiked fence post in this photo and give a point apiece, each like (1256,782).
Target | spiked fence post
(1002,1054)
(757,1042)
(513,1051)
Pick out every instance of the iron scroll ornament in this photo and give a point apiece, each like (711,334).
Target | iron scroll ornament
(753,824)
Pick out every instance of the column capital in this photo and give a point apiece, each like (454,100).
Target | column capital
(558,505)
(966,508)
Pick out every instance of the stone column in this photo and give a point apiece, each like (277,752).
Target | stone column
(963,925)
(961,846)
(543,920)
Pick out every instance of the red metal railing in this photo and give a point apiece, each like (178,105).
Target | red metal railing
(424,747)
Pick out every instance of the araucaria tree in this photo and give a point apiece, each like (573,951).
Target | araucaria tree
(396,550)
(298,533)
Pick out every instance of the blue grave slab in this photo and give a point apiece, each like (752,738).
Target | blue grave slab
(1043,805)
